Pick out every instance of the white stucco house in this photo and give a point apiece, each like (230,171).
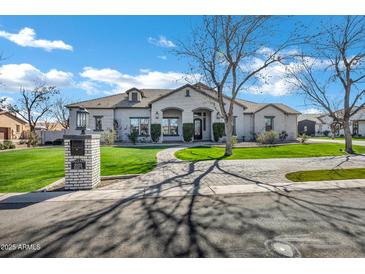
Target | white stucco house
(323,123)
(197,104)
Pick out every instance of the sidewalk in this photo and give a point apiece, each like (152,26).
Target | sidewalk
(99,195)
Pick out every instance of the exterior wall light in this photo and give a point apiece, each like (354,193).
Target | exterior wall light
(157,115)
(82,120)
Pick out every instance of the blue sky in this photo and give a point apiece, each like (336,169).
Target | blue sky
(92,56)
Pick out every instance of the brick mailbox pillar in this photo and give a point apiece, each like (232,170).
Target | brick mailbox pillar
(82,161)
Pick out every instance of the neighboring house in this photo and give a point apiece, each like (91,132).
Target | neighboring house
(312,124)
(11,126)
(48,132)
(197,104)
(51,126)
(357,123)
(322,124)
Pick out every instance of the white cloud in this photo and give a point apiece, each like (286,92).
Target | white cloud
(117,81)
(90,87)
(26,37)
(162,41)
(162,57)
(271,81)
(311,111)
(266,51)
(15,76)
(274,80)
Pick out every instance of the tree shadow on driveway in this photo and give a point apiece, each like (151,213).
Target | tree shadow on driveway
(197,225)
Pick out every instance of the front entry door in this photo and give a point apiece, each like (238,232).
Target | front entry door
(198,129)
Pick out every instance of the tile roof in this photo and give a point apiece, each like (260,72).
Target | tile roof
(255,107)
(120,100)
(13,116)
(311,117)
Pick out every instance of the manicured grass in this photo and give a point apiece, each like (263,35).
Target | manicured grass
(339,138)
(327,174)
(283,151)
(31,169)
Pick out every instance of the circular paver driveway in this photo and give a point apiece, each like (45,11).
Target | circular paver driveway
(171,172)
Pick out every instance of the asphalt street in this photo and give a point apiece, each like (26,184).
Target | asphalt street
(321,223)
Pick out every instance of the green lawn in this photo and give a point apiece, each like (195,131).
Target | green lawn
(284,151)
(31,169)
(327,174)
(340,138)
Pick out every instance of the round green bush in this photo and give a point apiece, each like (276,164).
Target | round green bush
(218,131)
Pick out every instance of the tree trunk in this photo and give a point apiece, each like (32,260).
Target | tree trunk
(29,138)
(31,135)
(228,125)
(348,136)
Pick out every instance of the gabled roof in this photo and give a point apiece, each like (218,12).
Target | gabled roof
(311,117)
(201,88)
(121,100)
(149,96)
(256,107)
(135,89)
(7,113)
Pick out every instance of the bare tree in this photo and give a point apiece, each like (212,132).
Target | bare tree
(48,122)
(338,85)
(223,51)
(33,105)
(61,113)
(2,102)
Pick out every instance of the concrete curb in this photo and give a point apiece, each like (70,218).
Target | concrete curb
(100,195)
(102,178)
(115,177)
(52,185)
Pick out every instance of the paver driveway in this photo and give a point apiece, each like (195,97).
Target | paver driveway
(172,173)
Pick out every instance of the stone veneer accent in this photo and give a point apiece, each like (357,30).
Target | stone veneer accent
(88,178)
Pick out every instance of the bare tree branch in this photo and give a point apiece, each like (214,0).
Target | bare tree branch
(341,44)
(33,105)
(221,50)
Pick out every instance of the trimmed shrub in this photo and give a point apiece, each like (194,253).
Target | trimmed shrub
(133,136)
(218,131)
(57,142)
(1,146)
(326,133)
(48,143)
(268,137)
(188,129)
(283,135)
(8,145)
(108,138)
(155,132)
(303,138)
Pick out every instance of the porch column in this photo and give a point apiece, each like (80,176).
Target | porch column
(187,116)
(213,119)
